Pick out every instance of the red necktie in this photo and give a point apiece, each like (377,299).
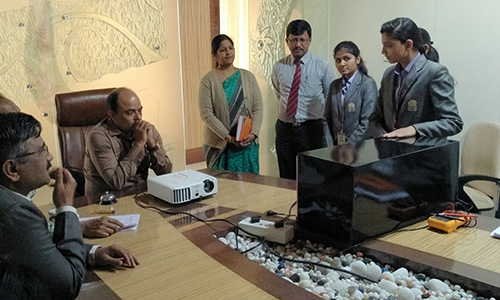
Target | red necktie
(291,107)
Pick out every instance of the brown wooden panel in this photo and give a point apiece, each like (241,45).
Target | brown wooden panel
(194,155)
(194,19)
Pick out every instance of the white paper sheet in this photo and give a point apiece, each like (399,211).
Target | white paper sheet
(496,233)
(130,221)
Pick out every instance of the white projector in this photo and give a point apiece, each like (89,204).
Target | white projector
(182,186)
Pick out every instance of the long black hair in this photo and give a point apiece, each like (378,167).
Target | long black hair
(432,53)
(352,48)
(403,29)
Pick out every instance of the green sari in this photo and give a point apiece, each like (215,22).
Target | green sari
(234,159)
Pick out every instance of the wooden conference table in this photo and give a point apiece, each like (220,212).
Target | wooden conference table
(181,259)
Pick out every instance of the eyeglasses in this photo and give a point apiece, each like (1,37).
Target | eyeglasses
(43,149)
(297,40)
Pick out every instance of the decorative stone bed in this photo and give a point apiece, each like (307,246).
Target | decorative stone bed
(329,274)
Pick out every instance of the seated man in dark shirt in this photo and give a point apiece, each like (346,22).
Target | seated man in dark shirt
(121,148)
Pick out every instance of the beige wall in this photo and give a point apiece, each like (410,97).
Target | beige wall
(158,84)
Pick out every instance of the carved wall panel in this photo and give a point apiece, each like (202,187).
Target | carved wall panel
(94,38)
(19,59)
(51,45)
(267,42)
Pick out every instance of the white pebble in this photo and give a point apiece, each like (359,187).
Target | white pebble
(304,276)
(358,267)
(387,285)
(230,236)
(437,285)
(387,275)
(319,289)
(417,292)
(357,295)
(222,239)
(333,275)
(305,283)
(254,244)
(373,272)
(402,272)
(405,294)
(340,286)
(344,274)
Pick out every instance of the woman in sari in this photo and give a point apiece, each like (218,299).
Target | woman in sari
(225,94)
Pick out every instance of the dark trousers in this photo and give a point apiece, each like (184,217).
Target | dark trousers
(290,140)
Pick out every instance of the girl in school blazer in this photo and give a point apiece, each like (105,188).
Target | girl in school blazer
(416,95)
(351,98)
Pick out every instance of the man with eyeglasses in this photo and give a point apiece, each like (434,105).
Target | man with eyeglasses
(122,148)
(57,259)
(95,228)
(301,81)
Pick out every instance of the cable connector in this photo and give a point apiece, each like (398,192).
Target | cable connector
(254,219)
(279,224)
(271,213)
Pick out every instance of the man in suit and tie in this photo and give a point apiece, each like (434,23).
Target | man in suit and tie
(58,260)
(416,95)
(94,228)
(300,81)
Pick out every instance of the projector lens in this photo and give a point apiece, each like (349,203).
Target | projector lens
(208,185)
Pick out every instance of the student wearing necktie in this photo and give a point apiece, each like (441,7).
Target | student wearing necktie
(351,98)
(416,96)
(300,82)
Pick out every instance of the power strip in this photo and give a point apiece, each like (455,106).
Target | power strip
(266,229)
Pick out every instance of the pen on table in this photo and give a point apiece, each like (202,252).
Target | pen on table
(128,226)
(105,211)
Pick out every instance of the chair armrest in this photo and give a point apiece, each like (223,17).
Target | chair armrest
(463,179)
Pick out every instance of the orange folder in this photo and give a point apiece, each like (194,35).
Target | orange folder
(244,128)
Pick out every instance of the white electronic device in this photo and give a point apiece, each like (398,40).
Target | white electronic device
(183,186)
(266,229)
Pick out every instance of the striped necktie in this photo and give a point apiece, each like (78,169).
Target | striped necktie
(291,107)
(345,85)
